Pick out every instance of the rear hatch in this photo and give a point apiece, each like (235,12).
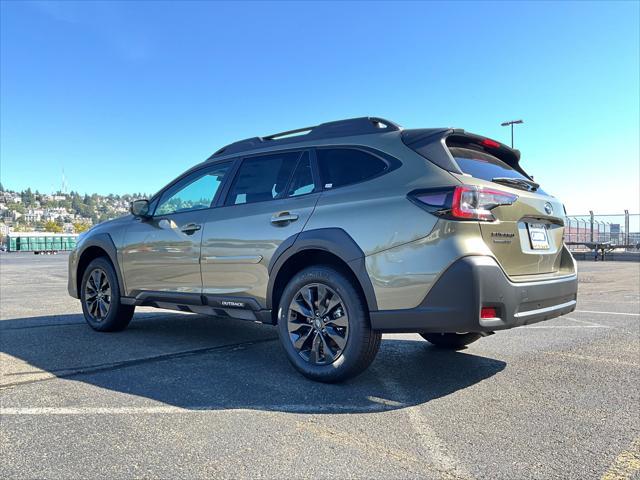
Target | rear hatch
(526,235)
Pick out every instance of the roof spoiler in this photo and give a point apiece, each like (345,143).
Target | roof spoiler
(433,144)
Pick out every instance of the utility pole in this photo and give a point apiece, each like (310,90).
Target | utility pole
(512,123)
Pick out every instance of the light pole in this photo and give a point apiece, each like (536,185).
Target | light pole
(512,123)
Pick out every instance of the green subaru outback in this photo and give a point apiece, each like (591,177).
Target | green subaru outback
(336,234)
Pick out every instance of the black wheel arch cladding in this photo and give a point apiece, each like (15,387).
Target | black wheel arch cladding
(334,241)
(104,242)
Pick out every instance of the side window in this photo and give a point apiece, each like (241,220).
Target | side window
(194,192)
(302,180)
(344,166)
(262,178)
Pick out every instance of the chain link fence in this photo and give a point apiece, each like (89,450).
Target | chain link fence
(621,230)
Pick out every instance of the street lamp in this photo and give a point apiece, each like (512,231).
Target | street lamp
(512,123)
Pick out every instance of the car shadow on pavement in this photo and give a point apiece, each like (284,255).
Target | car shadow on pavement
(197,362)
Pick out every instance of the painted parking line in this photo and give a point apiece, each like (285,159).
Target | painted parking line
(608,313)
(210,409)
(626,465)
(384,401)
(588,358)
(428,439)
(583,322)
(566,326)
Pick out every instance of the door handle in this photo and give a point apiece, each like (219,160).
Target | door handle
(190,228)
(283,217)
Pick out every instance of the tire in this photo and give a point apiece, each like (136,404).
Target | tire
(451,341)
(100,298)
(347,346)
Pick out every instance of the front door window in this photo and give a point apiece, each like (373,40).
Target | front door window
(195,192)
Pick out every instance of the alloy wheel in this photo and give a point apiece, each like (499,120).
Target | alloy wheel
(318,324)
(97,294)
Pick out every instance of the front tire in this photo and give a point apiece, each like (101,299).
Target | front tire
(451,341)
(324,326)
(100,298)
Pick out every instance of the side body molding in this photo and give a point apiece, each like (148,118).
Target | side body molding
(333,240)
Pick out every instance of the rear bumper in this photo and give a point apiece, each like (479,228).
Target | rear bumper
(455,301)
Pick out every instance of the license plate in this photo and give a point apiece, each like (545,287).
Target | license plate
(538,236)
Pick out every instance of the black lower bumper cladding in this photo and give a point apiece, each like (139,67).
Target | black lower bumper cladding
(454,303)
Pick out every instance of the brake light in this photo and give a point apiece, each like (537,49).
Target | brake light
(488,312)
(487,142)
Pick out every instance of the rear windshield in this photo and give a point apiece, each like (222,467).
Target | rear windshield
(482,165)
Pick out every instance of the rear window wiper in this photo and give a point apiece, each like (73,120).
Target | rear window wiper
(517,182)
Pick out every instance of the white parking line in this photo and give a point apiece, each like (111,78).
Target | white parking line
(566,326)
(384,401)
(434,448)
(609,313)
(164,409)
(589,358)
(583,322)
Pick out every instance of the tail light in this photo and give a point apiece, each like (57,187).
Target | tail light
(476,203)
(464,202)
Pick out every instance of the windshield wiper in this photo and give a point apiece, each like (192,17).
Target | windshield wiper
(517,182)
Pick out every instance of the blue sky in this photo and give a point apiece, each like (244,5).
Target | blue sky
(124,96)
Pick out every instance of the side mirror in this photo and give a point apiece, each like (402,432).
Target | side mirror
(140,208)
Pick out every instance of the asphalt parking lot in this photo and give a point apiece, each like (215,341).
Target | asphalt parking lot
(186,396)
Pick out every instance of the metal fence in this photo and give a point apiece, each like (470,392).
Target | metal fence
(618,229)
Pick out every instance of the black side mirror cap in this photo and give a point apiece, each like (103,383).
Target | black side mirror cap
(140,208)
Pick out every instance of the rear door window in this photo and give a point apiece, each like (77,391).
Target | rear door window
(262,178)
(345,166)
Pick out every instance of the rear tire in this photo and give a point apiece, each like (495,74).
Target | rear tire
(327,338)
(451,341)
(100,298)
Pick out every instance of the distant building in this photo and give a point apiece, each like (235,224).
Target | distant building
(54,214)
(54,198)
(11,215)
(8,197)
(33,215)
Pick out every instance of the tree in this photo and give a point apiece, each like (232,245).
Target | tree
(52,226)
(17,207)
(27,197)
(80,227)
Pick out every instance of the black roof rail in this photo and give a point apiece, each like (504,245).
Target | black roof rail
(339,128)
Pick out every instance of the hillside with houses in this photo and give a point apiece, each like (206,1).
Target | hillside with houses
(58,212)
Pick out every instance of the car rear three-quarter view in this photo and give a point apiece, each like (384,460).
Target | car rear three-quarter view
(336,234)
